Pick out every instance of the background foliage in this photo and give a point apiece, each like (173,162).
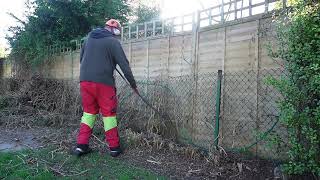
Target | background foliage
(145,13)
(56,22)
(299,47)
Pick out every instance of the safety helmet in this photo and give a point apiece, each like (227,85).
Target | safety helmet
(113,23)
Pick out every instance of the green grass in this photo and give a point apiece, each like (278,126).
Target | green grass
(47,164)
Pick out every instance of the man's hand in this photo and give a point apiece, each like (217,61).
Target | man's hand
(135,90)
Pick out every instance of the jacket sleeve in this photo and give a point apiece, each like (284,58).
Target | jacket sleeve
(82,51)
(121,59)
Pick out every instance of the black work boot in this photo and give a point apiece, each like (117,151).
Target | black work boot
(114,152)
(81,149)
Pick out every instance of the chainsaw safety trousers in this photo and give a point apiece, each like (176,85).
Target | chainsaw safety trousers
(98,97)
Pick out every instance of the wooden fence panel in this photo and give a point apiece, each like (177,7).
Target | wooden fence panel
(211,50)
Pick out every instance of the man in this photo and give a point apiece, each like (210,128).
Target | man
(100,54)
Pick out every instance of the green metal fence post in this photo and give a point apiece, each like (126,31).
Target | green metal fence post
(218,102)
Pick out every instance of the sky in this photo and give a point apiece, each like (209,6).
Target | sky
(14,6)
(173,8)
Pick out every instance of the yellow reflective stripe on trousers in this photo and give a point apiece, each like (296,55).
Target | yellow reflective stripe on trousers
(88,119)
(109,123)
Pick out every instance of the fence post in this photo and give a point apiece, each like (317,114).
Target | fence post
(250,7)
(284,4)
(257,67)
(222,11)
(137,31)
(195,36)
(162,27)
(266,4)
(235,10)
(148,62)
(218,99)
(210,17)
(122,38)
(145,30)
(72,65)
(182,23)
(168,57)
(153,28)
(195,39)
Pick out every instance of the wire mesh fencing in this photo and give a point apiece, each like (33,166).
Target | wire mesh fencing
(187,108)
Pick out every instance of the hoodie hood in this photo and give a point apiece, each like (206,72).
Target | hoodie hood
(100,33)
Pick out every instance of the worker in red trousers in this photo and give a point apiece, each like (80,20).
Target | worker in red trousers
(100,54)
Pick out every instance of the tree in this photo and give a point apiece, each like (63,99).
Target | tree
(57,22)
(144,13)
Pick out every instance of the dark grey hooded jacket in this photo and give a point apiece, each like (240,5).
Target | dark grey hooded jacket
(100,54)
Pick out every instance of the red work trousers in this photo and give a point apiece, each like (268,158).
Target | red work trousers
(98,97)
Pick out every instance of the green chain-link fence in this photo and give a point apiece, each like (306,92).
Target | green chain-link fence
(248,114)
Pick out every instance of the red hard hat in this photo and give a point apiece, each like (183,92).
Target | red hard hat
(113,23)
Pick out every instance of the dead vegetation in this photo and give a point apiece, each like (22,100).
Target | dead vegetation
(54,105)
(38,102)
